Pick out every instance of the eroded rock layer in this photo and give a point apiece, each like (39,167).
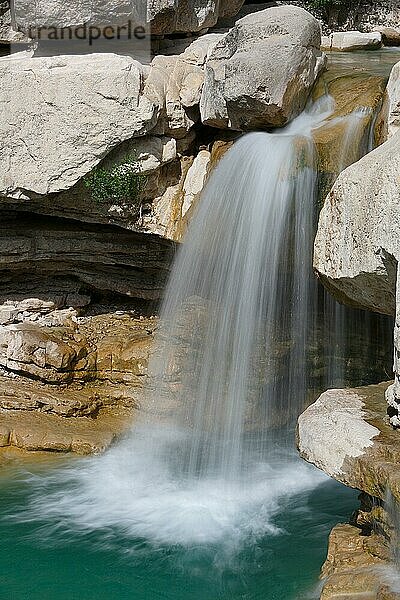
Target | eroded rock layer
(69,383)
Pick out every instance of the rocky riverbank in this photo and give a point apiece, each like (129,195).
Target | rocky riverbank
(350,434)
(345,434)
(70,383)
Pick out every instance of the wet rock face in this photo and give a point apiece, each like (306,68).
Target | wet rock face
(350,92)
(260,73)
(350,569)
(355,562)
(357,247)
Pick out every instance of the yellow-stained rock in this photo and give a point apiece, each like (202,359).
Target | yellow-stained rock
(35,431)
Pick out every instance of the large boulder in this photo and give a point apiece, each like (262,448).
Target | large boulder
(261,72)
(357,248)
(350,41)
(61,115)
(357,244)
(393,93)
(163,16)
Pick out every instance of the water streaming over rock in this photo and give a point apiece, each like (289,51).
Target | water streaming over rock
(205,463)
(390,573)
(341,323)
(237,304)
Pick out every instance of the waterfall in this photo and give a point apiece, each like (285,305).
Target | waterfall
(235,320)
(206,461)
(210,458)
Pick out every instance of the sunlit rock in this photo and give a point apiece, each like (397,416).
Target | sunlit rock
(163,16)
(350,41)
(260,73)
(71,111)
(393,92)
(175,83)
(357,246)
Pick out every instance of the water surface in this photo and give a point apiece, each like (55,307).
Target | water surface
(106,564)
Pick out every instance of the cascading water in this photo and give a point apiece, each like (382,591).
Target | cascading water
(229,365)
(237,299)
(177,509)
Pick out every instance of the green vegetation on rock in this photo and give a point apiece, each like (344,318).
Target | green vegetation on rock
(122,182)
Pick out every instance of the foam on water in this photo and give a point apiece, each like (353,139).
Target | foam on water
(129,490)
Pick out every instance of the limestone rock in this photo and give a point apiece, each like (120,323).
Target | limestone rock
(81,417)
(124,360)
(8,35)
(260,73)
(35,431)
(166,78)
(165,218)
(350,92)
(350,41)
(71,111)
(24,395)
(357,246)
(393,92)
(151,152)
(37,352)
(35,252)
(345,434)
(175,83)
(352,569)
(195,180)
(333,429)
(42,344)
(43,312)
(164,16)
